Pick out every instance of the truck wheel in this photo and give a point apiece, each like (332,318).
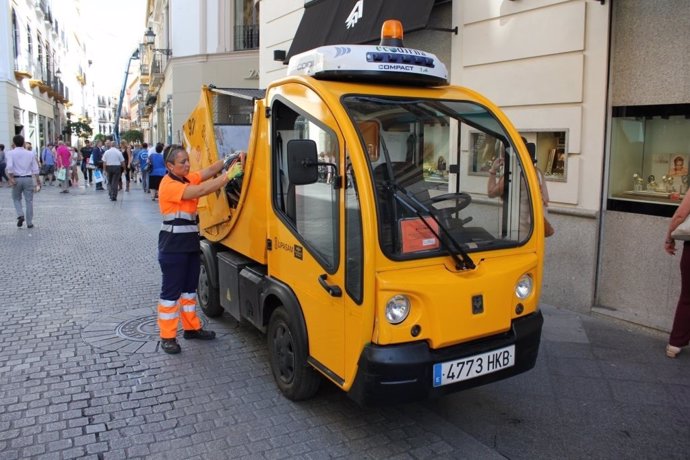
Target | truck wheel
(208,296)
(288,352)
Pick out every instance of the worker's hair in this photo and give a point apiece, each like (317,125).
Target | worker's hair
(171,152)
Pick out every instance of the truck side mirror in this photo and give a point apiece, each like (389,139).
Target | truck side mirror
(302,162)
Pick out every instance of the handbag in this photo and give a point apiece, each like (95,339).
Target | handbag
(62,174)
(682,231)
(97,176)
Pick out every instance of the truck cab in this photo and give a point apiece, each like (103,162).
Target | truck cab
(387,234)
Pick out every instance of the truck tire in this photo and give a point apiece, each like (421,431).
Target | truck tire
(209,299)
(296,379)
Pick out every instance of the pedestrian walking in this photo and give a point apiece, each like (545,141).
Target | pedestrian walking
(63,158)
(85,158)
(97,160)
(3,166)
(48,164)
(113,162)
(178,244)
(74,167)
(144,167)
(680,332)
(127,154)
(22,170)
(158,170)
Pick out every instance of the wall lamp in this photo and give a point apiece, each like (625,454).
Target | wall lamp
(150,39)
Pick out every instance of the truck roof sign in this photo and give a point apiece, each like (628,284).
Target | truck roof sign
(385,64)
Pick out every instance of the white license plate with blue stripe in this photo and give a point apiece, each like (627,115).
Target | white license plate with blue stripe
(473,366)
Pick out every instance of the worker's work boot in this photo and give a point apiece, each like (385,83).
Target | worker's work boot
(170,346)
(199,334)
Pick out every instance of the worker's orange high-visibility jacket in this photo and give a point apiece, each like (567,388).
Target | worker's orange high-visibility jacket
(180,230)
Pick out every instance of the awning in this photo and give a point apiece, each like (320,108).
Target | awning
(332,22)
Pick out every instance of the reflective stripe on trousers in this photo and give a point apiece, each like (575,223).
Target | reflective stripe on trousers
(169,314)
(180,228)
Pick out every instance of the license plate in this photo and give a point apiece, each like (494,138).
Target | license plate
(473,366)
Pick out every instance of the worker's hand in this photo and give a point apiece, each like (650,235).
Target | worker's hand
(235,171)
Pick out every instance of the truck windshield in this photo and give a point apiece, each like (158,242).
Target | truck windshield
(445,174)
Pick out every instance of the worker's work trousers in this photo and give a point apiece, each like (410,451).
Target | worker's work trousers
(178,292)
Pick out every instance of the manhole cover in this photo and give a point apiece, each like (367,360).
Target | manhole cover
(135,331)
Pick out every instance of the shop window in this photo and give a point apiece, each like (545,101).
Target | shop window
(551,152)
(649,157)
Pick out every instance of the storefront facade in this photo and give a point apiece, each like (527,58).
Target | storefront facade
(564,71)
(648,149)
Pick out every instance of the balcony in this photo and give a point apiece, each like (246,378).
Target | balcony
(246,37)
(157,66)
(22,69)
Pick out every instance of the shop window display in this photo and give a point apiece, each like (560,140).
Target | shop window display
(551,152)
(650,155)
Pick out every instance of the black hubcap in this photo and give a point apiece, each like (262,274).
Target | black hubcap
(284,353)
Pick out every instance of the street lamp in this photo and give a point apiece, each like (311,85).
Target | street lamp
(58,73)
(150,40)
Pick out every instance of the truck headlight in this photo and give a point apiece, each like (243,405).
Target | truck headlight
(523,288)
(397,309)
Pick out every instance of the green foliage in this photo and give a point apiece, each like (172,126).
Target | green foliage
(133,135)
(79,128)
(99,137)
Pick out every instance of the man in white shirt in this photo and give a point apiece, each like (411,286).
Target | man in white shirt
(22,170)
(114,162)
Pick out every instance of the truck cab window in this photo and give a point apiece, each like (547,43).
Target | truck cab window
(407,142)
(311,210)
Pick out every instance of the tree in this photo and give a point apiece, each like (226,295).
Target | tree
(133,135)
(99,137)
(79,128)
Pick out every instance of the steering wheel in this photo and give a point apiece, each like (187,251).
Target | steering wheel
(461,199)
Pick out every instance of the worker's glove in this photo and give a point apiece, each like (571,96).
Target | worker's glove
(230,160)
(235,171)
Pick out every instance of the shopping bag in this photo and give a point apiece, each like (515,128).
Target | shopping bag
(62,174)
(97,176)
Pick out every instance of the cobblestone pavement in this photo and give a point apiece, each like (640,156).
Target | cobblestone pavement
(81,376)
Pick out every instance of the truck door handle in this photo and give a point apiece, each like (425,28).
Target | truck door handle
(332,289)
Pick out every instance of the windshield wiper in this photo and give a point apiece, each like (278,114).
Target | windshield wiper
(404,197)
(413,204)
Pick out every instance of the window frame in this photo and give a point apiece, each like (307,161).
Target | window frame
(275,191)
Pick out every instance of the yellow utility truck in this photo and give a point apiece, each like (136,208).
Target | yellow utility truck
(387,233)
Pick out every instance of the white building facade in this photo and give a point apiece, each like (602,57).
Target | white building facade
(595,84)
(210,42)
(43,71)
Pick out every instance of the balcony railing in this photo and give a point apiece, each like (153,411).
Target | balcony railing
(246,37)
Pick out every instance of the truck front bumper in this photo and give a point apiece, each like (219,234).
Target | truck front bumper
(404,373)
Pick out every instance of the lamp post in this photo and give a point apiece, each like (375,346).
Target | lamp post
(150,40)
(116,129)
